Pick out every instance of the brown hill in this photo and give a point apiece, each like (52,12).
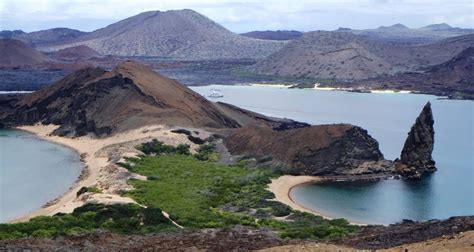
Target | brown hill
(345,56)
(131,95)
(14,53)
(77,52)
(180,34)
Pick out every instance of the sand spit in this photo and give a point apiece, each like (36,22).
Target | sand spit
(100,156)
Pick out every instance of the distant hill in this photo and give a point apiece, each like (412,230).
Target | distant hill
(76,52)
(400,33)
(346,56)
(436,27)
(6,34)
(180,34)
(15,53)
(273,35)
(454,78)
(45,37)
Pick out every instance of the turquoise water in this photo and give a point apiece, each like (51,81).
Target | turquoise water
(388,118)
(32,172)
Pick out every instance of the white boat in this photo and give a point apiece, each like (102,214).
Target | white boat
(215,94)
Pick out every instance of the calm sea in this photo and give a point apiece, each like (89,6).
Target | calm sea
(388,118)
(32,172)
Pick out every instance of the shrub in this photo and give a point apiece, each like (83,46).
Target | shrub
(153,216)
(183,149)
(207,153)
(42,233)
(85,189)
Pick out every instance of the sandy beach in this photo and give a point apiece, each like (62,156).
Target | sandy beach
(283,185)
(319,88)
(271,85)
(99,168)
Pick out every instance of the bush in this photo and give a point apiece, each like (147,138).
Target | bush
(85,189)
(43,233)
(207,153)
(158,148)
(183,149)
(154,216)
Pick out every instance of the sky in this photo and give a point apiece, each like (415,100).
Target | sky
(240,16)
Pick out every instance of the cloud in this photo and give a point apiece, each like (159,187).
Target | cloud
(240,16)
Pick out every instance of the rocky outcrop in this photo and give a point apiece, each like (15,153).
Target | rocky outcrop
(340,149)
(415,159)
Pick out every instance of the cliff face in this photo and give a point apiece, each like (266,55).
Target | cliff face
(340,149)
(415,159)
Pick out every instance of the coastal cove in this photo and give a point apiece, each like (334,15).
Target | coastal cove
(388,118)
(33,172)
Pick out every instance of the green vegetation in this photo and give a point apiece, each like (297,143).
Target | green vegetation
(156,147)
(196,191)
(85,189)
(207,152)
(125,219)
(203,194)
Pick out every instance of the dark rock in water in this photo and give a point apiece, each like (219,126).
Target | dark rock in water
(415,159)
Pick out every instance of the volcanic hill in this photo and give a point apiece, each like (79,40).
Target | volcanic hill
(14,53)
(93,100)
(76,53)
(179,34)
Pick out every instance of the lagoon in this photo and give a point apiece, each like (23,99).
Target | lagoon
(32,172)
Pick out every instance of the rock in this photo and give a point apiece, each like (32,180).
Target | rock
(415,159)
(339,149)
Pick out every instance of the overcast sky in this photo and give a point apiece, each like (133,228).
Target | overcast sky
(240,16)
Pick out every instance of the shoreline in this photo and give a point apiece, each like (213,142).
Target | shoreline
(327,88)
(96,161)
(282,186)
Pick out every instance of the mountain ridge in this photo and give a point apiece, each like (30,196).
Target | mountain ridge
(346,56)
